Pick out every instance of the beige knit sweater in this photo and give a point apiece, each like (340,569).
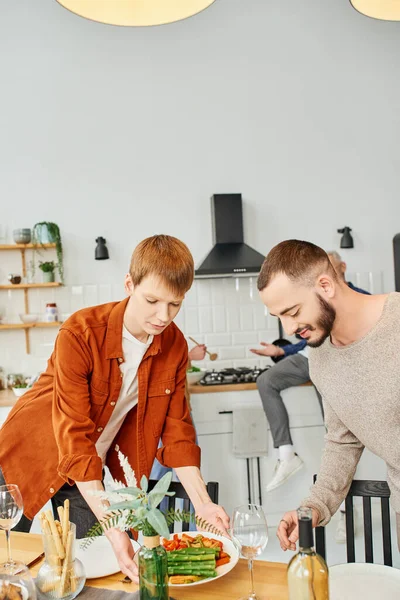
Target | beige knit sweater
(360,387)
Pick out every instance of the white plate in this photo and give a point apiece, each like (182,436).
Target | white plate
(228,546)
(366,581)
(99,559)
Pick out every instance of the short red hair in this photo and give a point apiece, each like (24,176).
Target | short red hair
(166,257)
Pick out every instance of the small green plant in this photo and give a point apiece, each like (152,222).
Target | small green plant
(55,237)
(20,385)
(47,267)
(134,507)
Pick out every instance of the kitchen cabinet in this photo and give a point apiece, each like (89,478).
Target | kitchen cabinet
(26,287)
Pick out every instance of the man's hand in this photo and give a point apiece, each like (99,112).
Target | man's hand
(124,552)
(288,529)
(268,350)
(215,515)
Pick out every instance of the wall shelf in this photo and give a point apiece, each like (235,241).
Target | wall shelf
(26,287)
(30,325)
(25,246)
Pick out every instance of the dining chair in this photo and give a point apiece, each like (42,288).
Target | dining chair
(366,489)
(181,494)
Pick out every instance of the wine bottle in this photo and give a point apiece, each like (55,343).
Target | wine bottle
(307,571)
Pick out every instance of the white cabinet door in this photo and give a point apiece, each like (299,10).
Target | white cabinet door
(219,464)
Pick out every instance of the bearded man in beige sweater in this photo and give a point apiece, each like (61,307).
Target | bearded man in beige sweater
(354,342)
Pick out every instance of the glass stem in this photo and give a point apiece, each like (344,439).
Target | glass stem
(8,546)
(251,575)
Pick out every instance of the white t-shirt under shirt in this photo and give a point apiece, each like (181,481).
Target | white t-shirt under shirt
(128,397)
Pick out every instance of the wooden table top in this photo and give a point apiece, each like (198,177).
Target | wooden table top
(269,578)
(197,388)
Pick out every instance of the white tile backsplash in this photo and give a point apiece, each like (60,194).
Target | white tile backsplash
(205,319)
(219,319)
(246,318)
(245,337)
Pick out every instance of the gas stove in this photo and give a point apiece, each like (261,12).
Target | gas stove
(225,376)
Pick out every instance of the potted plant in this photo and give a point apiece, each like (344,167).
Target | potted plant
(46,232)
(48,271)
(134,507)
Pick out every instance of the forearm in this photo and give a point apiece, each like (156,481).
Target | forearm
(338,465)
(96,504)
(192,481)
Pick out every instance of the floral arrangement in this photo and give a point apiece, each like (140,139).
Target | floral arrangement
(134,507)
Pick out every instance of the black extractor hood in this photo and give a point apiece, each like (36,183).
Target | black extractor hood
(230,256)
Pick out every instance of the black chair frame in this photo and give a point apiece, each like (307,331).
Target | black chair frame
(181,494)
(366,489)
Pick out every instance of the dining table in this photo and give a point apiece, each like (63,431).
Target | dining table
(270,579)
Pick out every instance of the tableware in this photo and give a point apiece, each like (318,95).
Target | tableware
(14,279)
(61,575)
(228,546)
(19,391)
(25,318)
(11,509)
(16,579)
(195,376)
(22,236)
(98,558)
(250,531)
(366,581)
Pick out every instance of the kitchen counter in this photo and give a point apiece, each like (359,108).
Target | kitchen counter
(7,398)
(229,387)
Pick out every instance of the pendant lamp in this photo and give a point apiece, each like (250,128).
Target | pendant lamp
(386,10)
(136,13)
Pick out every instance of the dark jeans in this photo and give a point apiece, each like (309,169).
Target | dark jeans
(79,511)
(291,371)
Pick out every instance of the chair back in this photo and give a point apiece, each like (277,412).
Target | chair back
(366,489)
(181,494)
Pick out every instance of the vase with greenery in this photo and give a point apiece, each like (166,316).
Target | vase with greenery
(48,271)
(48,232)
(133,507)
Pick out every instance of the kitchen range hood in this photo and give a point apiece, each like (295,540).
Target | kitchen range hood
(230,256)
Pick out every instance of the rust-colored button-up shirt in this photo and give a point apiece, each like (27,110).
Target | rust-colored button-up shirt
(49,436)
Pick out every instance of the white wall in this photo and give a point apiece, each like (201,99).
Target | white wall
(127,132)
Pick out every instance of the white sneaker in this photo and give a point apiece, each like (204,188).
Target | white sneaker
(283,470)
(340,535)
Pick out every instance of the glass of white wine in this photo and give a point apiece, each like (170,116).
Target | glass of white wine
(250,531)
(11,509)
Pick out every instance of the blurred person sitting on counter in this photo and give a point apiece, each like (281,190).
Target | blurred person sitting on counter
(115,381)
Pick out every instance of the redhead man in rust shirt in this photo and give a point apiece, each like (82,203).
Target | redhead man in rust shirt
(116,379)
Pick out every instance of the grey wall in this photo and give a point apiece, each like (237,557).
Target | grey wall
(126,132)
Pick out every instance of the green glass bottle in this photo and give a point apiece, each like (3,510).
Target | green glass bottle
(153,570)
(307,571)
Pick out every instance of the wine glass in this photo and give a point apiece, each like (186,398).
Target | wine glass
(250,531)
(11,509)
(16,582)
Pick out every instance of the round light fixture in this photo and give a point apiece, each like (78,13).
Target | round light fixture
(386,10)
(136,13)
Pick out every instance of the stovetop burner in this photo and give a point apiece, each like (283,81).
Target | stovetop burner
(238,375)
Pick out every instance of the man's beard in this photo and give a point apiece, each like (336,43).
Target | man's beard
(325,322)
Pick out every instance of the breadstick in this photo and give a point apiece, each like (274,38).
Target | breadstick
(67,563)
(49,586)
(60,511)
(65,522)
(54,531)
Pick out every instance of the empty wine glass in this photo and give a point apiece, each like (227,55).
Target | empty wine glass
(11,509)
(250,531)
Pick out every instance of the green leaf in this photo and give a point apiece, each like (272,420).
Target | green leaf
(155,499)
(144,484)
(170,493)
(157,520)
(125,505)
(163,485)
